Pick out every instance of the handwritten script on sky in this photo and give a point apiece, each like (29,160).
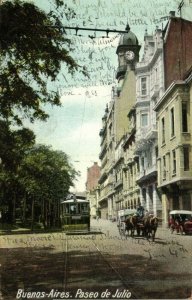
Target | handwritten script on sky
(74,128)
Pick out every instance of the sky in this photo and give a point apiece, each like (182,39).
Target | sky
(74,127)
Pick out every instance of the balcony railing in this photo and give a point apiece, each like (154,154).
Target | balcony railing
(152,132)
(103,151)
(118,183)
(147,172)
(154,91)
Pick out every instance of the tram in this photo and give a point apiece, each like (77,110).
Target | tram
(75,213)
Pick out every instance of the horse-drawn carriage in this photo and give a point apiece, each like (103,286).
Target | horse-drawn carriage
(180,221)
(123,215)
(131,222)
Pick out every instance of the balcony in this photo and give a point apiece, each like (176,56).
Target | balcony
(152,132)
(104,163)
(103,151)
(111,179)
(147,174)
(154,91)
(102,178)
(118,183)
(141,134)
(110,165)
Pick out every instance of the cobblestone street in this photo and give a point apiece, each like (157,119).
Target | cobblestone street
(101,263)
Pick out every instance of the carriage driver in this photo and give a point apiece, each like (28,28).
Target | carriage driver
(140,211)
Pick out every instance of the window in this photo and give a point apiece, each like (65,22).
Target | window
(174,161)
(131,170)
(142,163)
(164,167)
(184,118)
(156,75)
(163,130)
(172,122)
(156,152)
(144,86)
(149,158)
(186,158)
(144,120)
(138,166)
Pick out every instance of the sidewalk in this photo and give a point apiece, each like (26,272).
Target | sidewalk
(13,229)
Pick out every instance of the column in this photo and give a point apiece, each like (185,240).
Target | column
(141,198)
(155,200)
(149,202)
(157,205)
(164,211)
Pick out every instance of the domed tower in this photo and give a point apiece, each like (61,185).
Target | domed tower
(127,51)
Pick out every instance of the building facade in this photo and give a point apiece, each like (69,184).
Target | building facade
(131,189)
(174,113)
(149,87)
(149,159)
(93,174)
(174,119)
(116,127)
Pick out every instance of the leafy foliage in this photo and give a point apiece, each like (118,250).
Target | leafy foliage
(13,144)
(33,48)
(50,170)
(43,175)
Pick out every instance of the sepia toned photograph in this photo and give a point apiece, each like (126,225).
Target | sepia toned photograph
(95,149)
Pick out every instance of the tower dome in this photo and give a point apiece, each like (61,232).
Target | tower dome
(128,38)
(127,51)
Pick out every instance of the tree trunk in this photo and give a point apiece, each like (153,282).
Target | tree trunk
(32,213)
(14,208)
(24,209)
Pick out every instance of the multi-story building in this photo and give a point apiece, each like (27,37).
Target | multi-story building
(152,123)
(103,201)
(174,117)
(174,113)
(111,158)
(128,56)
(116,121)
(107,156)
(131,189)
(93,174)
(149,88)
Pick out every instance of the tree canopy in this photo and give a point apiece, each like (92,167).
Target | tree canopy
(49,170)
(42,178)
(33,48)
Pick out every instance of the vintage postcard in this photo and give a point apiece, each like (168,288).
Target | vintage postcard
(95,149)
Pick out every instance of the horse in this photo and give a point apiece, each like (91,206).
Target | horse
(131,224)
(150,226)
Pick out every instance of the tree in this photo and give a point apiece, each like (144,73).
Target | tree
(33,48)
(46,176)
(13,147)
